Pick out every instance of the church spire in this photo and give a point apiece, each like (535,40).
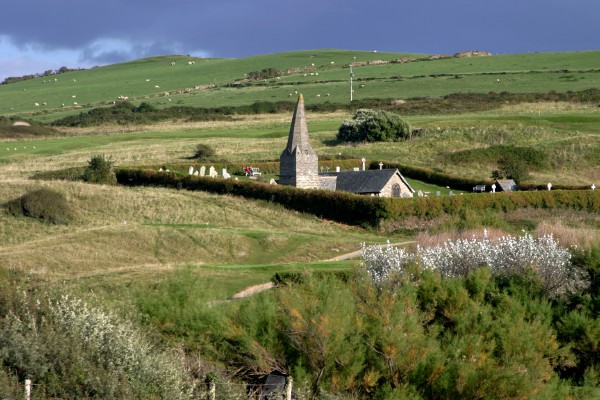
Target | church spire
(298,164)
(298,136)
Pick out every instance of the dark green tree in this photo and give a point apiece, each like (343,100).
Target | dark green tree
(99,170)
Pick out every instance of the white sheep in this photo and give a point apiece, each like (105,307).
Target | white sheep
(318,95)
(156,87)
(37,104)
(172,62)
(333,62)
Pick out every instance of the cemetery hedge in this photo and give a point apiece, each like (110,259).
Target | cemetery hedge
(365,210)
(338,206)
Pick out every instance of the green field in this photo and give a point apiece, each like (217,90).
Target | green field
(137,80)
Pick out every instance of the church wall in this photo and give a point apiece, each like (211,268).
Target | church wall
(387,189)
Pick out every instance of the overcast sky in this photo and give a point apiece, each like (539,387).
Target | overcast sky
(36,36)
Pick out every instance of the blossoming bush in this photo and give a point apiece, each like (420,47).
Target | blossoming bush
(73,350)
(505,257)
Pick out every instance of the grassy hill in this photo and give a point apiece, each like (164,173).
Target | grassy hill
(322,75)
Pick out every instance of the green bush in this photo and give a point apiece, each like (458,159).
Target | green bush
(374,126)
(204,151)
(99,170)
(44,204)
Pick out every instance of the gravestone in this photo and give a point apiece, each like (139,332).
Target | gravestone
(272,182)
(355,169)
(191,171)
(212,172)
(202,170)
(420,194)
(226,174)
(451,193)
(438,193)
(196,173)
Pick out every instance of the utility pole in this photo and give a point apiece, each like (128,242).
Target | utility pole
(351,75)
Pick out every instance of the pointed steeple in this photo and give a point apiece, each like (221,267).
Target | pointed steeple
(298,136)
(299,164)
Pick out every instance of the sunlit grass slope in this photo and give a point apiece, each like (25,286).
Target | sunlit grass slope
(322,75)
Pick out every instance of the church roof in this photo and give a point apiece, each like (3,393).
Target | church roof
(298,136)
(506,185)
(365,182)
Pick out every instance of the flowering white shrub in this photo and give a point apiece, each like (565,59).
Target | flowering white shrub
(505,256)
(117,343)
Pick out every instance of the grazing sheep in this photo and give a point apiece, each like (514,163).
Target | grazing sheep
(147,80)
(327,95)
(318,95)
(73,97)
(333,62)
(316,73)
(156,87)
(172,62)
(37,104)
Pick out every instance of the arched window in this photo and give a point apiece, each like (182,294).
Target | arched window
(396,190)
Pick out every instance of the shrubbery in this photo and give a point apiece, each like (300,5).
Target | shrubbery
(203,151)
(374,126)
(505,257)
(72,350)
(99,170)
(44,204)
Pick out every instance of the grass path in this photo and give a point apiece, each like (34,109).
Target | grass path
(261,287)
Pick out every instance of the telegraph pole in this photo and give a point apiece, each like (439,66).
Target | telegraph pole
(351,75)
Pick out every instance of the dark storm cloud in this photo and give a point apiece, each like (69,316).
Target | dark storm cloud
(118,30)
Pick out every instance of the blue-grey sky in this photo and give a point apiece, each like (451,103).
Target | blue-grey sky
(36,36)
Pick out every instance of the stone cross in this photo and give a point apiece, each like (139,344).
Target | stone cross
(380,165)
(493,188)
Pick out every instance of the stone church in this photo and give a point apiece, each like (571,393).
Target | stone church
(299,166)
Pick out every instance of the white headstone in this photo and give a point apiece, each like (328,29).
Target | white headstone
(226,174)
(438,193)
(272,182)
(196,173)
(420,194)
(337,169)
(549,186)
(191,171)
(364,160)
(356,169)
(212,172)
(593,187)
(202,170)
(493,188)
(380,165)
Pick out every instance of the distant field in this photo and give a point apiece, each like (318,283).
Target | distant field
(211,78)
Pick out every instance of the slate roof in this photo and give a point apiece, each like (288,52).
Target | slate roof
(366,182)
(506,185)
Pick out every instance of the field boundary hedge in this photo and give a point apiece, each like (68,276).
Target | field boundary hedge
(365,210)
(337,206)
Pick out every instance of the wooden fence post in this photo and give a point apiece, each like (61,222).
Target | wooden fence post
(27,389)
(288,388)
(212,391)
